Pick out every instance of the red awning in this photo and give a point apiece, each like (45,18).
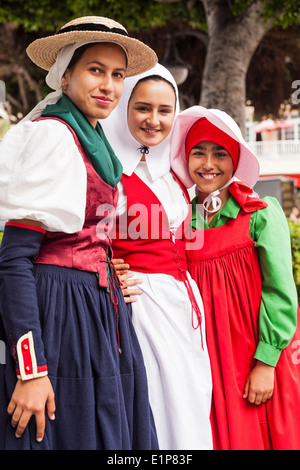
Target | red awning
(270,125)
(296,178)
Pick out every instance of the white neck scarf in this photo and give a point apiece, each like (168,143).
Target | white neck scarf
(213,199)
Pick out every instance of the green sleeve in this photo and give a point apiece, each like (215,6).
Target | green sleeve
(278,309)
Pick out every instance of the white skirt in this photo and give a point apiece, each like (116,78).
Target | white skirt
(177,366)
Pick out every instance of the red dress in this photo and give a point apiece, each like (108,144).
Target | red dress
(228,274)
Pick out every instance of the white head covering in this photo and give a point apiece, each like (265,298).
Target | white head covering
(247,169)
(54,76)
(125,146)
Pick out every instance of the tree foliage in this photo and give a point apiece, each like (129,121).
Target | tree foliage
(34,15)
(134,14)
(285,13)
(151,19)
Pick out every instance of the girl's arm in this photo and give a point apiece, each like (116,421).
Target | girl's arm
(39,163)
(20,314)
(278,309)
(279,302)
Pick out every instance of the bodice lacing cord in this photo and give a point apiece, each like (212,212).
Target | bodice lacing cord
(114,296)
(195,306)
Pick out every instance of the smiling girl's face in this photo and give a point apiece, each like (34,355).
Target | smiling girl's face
(210,167)
(151,111)
(95,83)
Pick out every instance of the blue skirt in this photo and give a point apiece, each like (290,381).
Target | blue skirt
(101,393)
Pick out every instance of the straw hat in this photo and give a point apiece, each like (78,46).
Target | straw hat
(140,57)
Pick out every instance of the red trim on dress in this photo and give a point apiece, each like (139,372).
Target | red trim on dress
(28,368)
(29,227)
(40,369)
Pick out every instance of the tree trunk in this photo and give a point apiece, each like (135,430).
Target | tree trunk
(232,42)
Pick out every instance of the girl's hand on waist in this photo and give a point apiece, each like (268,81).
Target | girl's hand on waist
(129,286)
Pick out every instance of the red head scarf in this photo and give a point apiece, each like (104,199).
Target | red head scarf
(204,130)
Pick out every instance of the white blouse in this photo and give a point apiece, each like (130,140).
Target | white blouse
(166,189)
(42,176)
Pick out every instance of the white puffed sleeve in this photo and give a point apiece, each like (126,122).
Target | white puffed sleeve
(42,176)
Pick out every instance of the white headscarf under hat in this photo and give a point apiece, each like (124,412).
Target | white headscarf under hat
(125,146)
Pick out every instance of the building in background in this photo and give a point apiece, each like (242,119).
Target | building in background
(277,146)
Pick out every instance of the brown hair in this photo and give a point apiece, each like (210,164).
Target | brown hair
(81,50)
(155,78)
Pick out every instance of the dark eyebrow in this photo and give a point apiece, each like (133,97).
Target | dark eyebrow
(103,65)
(150,104)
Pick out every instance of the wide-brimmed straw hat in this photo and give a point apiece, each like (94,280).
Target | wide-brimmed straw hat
(43,52)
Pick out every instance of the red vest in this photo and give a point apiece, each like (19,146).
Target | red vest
(87,250)
(142,236)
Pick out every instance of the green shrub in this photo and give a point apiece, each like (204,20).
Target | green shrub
(295,242)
